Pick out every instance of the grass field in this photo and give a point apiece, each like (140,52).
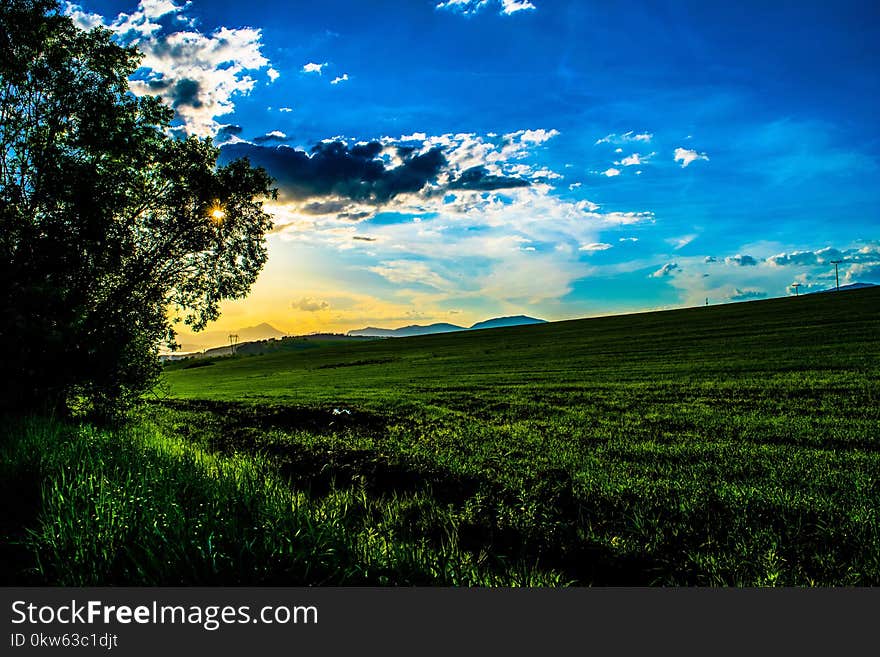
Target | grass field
(727,445)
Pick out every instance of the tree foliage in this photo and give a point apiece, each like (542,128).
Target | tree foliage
(111,229)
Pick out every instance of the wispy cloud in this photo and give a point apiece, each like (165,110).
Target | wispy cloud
(340,78)
(469,7)
(680,242)
(411,272)
(624,138)
(634,159)
(592,247)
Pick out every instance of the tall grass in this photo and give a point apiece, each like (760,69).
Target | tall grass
(138,507)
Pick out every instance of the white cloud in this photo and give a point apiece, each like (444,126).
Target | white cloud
(512,6)
(198,74)
(285,109)
(860,264)
(574,185)
(592,247)
(313,67)
(863,273)
(273,135)
(341,78)
(611,172)
(83,19)
(628,239)
(746,277)
(686,156)
(665,270)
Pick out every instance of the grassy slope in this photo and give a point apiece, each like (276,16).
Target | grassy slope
(817,336)
(731,444)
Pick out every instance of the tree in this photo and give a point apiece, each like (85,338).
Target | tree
(111,229)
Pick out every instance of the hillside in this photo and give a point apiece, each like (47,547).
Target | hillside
(405,331)
(768,337)
(726,445)
(416,329)
(515,320)
(212,339)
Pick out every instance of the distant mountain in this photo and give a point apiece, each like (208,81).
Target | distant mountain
(516,320)
(210,339)
(416,329)
(851,286)
(405,331)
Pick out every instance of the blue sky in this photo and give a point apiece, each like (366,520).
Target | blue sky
(557,159)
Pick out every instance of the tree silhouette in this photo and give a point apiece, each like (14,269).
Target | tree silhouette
(111,229)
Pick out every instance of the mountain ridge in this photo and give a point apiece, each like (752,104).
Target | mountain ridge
(443,327)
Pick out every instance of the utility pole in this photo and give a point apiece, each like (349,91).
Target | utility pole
(233,341)
(795,286)
(836,274)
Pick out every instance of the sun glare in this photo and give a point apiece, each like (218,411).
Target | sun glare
(216,213)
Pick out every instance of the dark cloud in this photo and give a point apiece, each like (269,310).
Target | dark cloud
(478,178)
(227,131)
(741,261)
(335,169)
(361,238)
(184,92)
(357,173)
(326,207)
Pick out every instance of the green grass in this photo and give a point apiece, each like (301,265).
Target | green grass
(730,445)
(725,445)
(138,507)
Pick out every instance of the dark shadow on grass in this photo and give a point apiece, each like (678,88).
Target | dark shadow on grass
(556,542)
